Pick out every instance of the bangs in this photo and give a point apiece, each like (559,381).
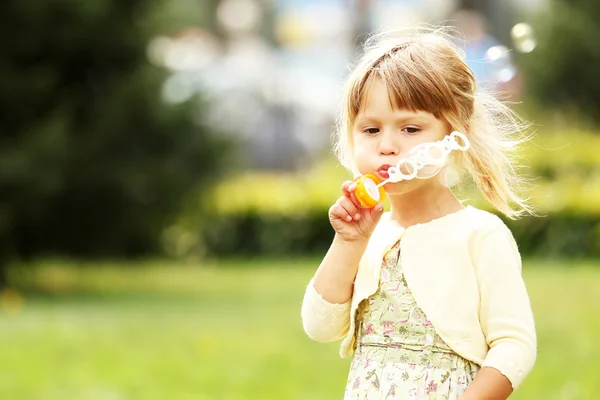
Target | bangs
(411,84)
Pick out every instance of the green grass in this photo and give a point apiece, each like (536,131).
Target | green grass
(233,331)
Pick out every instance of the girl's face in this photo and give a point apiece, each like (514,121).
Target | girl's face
(383,135)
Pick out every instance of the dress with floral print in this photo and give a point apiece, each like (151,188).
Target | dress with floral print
(398,353)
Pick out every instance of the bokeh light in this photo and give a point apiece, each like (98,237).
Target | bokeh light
(500,63)
(523,37)
(192,50)
(239,16)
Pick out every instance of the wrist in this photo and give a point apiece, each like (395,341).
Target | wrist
(356,242)
(351,249)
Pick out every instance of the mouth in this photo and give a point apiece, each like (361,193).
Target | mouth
(382,171)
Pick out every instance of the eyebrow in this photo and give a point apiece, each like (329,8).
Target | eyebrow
(419,118)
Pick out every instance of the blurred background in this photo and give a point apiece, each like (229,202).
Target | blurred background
(166,170)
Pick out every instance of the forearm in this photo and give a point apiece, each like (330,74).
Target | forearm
(489,384)
(334,278)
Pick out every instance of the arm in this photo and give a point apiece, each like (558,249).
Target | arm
(327,302)
(326,305)
(334,278)
(506,318)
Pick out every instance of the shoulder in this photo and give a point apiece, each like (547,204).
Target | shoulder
(486,233)
(491,241)
(469,224)
(480,223)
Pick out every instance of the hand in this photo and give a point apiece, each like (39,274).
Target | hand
(350,220)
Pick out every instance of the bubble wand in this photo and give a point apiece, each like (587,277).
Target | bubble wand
(425,161)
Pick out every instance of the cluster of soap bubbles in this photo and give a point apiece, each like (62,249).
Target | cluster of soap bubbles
(427,159)
(498,57)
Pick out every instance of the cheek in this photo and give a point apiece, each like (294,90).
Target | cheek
(361,156)
(360,165)
(359,149)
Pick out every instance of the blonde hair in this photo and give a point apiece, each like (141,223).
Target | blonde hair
(424,70)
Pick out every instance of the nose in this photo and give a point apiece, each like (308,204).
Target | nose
(387,146)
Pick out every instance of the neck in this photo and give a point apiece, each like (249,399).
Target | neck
(424,204)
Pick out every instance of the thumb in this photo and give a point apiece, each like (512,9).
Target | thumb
(376,212)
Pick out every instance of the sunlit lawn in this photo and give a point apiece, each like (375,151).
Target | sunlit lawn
(233,331)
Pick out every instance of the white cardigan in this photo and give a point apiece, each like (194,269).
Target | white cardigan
(464,271)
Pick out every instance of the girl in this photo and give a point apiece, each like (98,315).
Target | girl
(428,296)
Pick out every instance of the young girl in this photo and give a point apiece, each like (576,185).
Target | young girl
(428,296)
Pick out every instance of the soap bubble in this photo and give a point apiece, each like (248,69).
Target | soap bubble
(499,63)
(523,37)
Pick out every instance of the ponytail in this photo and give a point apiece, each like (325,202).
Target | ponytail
(495,133)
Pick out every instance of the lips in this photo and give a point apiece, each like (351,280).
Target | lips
(382,171)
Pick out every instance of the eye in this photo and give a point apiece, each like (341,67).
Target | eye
(371,131)
(411,130)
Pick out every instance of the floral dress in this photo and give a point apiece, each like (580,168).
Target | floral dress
(398,353)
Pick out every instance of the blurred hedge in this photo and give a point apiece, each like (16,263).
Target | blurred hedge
(280,214)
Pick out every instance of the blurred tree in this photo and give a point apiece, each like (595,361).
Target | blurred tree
(563,69)
(92,162)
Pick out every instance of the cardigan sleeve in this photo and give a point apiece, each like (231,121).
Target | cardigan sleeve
(324,321)
(505,312)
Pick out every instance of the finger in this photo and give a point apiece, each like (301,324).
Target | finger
(350,208)
(375,213)
(348,187)
(370,215)
(350,193)
(337,211)
(355,200)
(352,196)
